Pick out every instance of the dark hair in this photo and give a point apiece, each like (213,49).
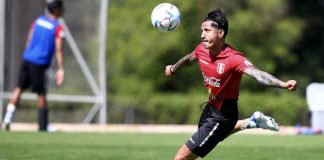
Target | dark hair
(56,4)
(219,18)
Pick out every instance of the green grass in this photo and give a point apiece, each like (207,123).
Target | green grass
(136,146)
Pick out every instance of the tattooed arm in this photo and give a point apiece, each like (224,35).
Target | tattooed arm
(185,61)
(267,79)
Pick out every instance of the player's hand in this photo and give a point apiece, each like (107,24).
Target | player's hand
(59,77)
(291,85)
(168,72)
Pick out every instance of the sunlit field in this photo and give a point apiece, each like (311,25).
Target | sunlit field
(137,146)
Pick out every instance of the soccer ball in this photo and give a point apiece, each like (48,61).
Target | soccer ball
(165,17)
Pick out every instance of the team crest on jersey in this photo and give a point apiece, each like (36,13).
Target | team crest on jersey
(220,68)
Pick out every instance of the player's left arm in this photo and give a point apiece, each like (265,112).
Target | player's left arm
(59,77)
(267,79)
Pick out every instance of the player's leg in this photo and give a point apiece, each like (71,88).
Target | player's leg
(42,113)
(23,83)
(184,153)
(257,120)
(242,125)
(15,97)
(11,108)
(38,85)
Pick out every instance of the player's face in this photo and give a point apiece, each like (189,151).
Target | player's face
(59,12)
(210,35)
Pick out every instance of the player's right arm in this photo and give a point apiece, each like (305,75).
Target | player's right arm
(184,61)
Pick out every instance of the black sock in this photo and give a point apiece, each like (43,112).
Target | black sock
(42,119)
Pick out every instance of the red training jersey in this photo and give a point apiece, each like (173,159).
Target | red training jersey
(222,73)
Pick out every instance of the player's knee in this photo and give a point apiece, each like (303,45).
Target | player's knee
(185,153)
(185,157)
(179,157)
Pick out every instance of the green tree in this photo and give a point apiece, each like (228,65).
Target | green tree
(138,53)
(310,46)
(265,32)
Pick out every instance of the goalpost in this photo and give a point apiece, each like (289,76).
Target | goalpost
(97,84)
(2,50)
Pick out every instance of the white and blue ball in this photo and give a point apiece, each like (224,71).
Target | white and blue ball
(165,17)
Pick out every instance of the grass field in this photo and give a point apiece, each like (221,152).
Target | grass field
(137,146)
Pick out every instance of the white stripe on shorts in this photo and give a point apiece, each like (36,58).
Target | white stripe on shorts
(210,134)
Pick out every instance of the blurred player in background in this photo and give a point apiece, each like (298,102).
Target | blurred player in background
(222,67)
(45,38)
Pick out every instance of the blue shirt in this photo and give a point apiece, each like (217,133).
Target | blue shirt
(42,44)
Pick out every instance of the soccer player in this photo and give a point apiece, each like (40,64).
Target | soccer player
(222,67)
(45,38)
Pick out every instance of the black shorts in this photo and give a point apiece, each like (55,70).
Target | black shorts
(34,76)
(214,126)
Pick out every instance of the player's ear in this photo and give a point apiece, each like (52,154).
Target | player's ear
(221,33)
